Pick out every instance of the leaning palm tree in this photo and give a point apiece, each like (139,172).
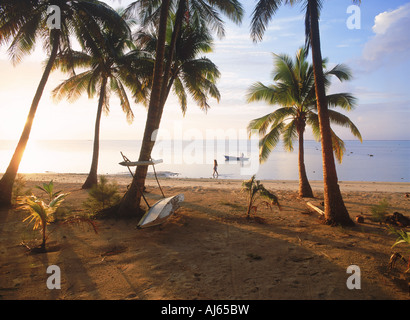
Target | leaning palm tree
(335,209)
(23,23)
(294,91)
(108,67)
(193,13)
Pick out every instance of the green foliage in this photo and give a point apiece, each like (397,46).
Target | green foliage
(48,188)
(379,211)
(403,237)
(258,194)
(19,188)
(102,195)
(40,212)
(293,89)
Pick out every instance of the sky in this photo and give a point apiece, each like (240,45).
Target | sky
(377,50)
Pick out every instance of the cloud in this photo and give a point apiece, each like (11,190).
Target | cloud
(391,42)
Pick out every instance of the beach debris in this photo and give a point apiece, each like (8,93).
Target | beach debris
(114,251)
(253,256)
(320,211)
(394,258)
(398,219)
(407,195)
(359,219)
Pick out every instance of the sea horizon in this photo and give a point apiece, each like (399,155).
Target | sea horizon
(372,160)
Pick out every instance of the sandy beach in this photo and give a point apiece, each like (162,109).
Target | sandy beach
(208,249)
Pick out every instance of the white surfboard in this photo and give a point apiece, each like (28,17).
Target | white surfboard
(140,163)
(161,211)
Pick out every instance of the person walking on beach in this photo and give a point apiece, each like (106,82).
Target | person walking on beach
(215,169)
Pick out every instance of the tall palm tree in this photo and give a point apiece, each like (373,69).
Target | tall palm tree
(108,71)
(191,12)
(294,91)
(335,209)
(23,23)
(129,204)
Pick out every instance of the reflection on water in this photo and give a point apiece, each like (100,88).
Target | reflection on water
(370,161)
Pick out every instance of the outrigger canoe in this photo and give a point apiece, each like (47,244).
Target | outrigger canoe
(231,158)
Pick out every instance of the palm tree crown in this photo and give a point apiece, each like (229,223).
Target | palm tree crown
(294,91)
(190,75)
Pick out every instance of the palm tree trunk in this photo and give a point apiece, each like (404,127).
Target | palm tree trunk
(92,178)
(7,181)
(43,243)
(335,210)
(172,47)
(130,203)
(305,189)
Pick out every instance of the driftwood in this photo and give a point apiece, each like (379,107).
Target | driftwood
(320,211)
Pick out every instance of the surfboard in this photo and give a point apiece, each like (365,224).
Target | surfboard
(140,163)
(161,211)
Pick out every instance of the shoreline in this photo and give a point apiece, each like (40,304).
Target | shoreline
(317,185)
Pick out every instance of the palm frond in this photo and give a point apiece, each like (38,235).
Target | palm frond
(342,120)
(345,101)
(181,94)
(289,135)
(271,119)
(338,146)
(74,87)
(69,60)
(118,88)
(261,15)
(269,141)
(270,94)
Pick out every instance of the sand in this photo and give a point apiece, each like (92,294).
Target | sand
(208,249)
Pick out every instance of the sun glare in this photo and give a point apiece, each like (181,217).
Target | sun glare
(31,161)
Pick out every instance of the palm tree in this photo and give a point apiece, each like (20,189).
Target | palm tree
(335,209)
(129,204)
(189,75)
(294,90)
(108,70)
(194,13)
(23,22)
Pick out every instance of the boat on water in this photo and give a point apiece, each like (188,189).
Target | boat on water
(232,158)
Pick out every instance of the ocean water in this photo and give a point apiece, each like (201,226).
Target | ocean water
(368,161)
